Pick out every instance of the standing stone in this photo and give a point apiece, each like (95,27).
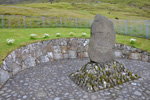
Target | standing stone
(102,40)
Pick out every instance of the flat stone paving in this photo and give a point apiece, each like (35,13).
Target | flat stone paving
(50,81)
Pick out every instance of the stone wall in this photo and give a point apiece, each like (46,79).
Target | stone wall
(127,52)
(45,51)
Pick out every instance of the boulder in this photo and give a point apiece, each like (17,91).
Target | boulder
(102,40)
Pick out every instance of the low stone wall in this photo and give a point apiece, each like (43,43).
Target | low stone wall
(45,51)
(123,51)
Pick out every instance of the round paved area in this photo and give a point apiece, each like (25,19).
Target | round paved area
(50,81)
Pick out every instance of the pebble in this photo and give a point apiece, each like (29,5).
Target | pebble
(119,99)
(8,96)
(133,83)
(1,92)
(85,96)
(57,98)
(107,93)
(148,92)
(24,97)
(137,93)
(49,99)
(15,94)
(93,97)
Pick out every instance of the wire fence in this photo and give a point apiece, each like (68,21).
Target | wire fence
(139,28)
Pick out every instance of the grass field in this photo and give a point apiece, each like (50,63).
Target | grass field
(22,38)
(135,3)
(78,10)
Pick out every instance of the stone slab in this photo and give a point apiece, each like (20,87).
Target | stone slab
(102,40)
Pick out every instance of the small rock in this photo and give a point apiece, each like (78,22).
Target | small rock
(57,98)
(24,97)
(15,94)
(147,91)
(137,93)
(119,99)
(26,84)
(85,96)
(133,83)
(107,93)
(8,96)
(1,92)
(49,99)
(93,97)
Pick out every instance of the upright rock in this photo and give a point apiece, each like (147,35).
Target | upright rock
(102,40)
(103,71)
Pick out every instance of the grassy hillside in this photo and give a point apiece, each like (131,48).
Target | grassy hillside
(139,3)
(77,10)
(142,4)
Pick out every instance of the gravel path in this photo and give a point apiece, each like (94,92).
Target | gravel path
(50,81)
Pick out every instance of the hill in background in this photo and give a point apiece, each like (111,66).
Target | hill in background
(122,9)
(135,3)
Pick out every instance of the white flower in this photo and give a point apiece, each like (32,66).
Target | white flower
(46,35)
(58,34)
(132,40)
(33,36)
(83,34)
(71,33)
(10,41)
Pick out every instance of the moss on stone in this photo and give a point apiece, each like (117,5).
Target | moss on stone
(86,78)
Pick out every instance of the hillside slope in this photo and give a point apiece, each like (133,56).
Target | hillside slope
(136,3)
(77,10)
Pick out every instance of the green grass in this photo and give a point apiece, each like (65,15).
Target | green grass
(22,38)
(78,10)
(135,3)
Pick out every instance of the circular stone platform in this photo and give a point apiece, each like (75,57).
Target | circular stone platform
(50,81)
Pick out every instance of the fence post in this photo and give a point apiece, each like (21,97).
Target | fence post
(140,29)
(147,28)
(56,24)
(9,23)
(86,23)
(3,23)
(18,22)
(126,27)
(72,22)
(49,23)
(76,22)
(30,24)
(65,24)
(121,28)
(60,22)
(80,23)
(43,22)
(24,21)
(131,29)
(90,22)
